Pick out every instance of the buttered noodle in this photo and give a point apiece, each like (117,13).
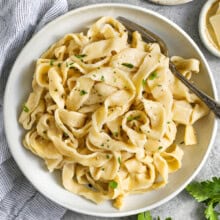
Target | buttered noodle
(105,112)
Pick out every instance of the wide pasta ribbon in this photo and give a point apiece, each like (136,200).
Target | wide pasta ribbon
(106,112)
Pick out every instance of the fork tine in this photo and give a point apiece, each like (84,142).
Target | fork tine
(147,35)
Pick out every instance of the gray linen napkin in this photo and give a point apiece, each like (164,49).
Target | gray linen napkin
(19,20)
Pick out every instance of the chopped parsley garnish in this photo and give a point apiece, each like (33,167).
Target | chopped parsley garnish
(51,62)
(115,134)
(80,56)
(160,147)
(73,67)
(153,76)
(131,118)
(65,135)
(168,122)
(70,65)
(25,108)
(103,168)
(112,184)
(144,82)
(82,92)
(59,64)
(129,65)
(119,160)
(102,78)
(102,145)
(107,156)
(182,142)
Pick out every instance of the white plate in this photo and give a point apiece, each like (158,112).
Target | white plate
(19,85)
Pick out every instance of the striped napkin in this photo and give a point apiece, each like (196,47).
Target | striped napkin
(19,20)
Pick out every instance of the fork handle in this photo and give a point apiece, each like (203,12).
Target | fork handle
(210,102)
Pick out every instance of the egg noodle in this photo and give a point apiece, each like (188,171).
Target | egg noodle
(105,110)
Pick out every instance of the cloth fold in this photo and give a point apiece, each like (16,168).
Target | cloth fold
(19,20)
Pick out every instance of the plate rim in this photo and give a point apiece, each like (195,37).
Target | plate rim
(119,213)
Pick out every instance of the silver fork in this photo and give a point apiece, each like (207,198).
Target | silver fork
(150,37)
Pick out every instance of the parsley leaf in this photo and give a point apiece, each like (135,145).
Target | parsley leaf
(129,65)
(207,192)
(102,78)
(115,133)
(131,118)
(82,92)
(144,82)
(25,108)
(145,216)
(80,56)
(51,62)
(65,135)
(153,76)
(119,160)
(210,213)
(112,184)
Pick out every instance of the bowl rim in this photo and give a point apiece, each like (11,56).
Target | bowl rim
(202,28)
(170,2)
(120,213)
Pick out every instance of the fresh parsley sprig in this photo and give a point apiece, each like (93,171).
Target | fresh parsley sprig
(207,192)
(148,216)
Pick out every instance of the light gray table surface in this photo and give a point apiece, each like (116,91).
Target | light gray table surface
(182,207)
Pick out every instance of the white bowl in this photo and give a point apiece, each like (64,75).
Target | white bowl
(19,85)
(170,2)
(203,32)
